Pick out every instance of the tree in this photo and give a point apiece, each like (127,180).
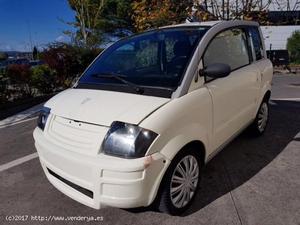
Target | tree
(3,56)
(94,18)
(35,53)
(154,13)
(231,9)
(239,9)
(293,46)
(87,14)
(116,17)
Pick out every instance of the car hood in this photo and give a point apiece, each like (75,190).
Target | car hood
(103,107)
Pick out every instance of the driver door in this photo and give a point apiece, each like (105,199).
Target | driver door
(234,97)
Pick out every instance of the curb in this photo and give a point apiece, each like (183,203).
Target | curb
(26,114)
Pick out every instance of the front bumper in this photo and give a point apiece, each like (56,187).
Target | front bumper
(101,180)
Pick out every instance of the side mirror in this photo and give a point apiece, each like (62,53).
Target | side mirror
(216,70)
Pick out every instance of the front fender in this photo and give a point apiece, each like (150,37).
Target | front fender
(179,139)
(181,121)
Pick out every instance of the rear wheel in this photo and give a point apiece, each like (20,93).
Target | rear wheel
(180,183)
(260,123)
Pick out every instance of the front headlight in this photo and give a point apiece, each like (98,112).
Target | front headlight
(127,140)
(43,116)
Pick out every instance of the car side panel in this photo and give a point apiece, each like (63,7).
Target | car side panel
(235,99)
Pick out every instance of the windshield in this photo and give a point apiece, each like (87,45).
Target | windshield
(152,60)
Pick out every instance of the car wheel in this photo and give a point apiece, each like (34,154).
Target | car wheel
(180,183)
(260,123)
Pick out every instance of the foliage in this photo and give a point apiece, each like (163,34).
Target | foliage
(20,75)
(85,56)
(68,61)
(3,90)
(62,59)
(64,62)
(87,14)
(3,56)
(231,9)
(293,46)
(94,18)
(43,79)
(35,53)
(116,16)
(150,14)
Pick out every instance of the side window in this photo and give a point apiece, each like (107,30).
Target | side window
(256,42)
(228,47)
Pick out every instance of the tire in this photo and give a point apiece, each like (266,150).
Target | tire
(178,187)
(260,123)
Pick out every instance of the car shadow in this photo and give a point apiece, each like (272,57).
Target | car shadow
(247,155)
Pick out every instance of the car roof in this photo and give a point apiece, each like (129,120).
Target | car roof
(215,22)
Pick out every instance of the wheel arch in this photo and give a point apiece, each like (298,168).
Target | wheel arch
(199,148)
(195,144)
(267,95)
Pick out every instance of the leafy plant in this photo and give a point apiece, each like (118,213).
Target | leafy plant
(3,56)
(3,90)
(68,61)
(151,14)
(20,75)
(293,46)
(43,79)
(63,59)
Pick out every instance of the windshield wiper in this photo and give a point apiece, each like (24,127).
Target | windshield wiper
(119,77)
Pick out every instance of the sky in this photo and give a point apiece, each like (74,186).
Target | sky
(23,22)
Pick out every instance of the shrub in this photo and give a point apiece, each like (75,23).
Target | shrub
(86,56)
(62,59)
(3,90)
(293,46)
(43,79)
(3,56)
(68,61)
(20,75)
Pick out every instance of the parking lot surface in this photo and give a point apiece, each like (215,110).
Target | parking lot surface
(252,181)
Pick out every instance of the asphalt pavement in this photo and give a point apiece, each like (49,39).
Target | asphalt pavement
(252,181)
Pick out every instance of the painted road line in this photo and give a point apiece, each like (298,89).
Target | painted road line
(17,162)
(272,102)
(18,122)
(285,99)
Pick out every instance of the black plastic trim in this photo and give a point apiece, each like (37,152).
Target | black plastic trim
(148,91)
(82,190)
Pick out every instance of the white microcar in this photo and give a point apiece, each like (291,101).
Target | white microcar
(149,112)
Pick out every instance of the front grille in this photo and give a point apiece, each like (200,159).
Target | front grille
(72,185)
(76,136)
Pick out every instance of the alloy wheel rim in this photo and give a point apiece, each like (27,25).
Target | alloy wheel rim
(184,181)
(262,117)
